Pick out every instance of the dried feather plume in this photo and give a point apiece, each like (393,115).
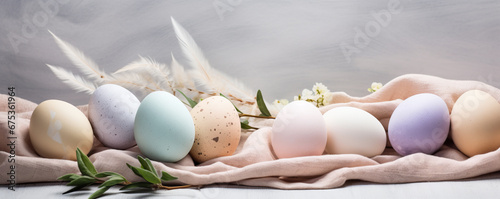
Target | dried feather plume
(88,67)
(146,75)
(205,75)
(76,82)
(154,74)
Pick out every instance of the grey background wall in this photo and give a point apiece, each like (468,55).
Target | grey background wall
(280,47)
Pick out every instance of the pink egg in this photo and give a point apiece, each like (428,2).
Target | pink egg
(299,130)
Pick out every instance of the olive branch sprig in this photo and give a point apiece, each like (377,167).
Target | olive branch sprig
(265,113)
(90,176)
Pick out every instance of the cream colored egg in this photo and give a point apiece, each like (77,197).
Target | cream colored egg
(475,123)
(354,131)
(217,129)
(57,128)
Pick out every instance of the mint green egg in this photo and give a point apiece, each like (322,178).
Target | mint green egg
(163,128)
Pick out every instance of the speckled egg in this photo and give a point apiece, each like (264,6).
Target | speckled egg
(298,130)
(475,126)
(57,128)
(112,110)
(420,124)
(164,129)
(217,127)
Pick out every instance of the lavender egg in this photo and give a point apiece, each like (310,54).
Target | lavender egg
(420,124)
(112,110)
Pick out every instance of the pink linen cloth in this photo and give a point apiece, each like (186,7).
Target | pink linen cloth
(254,163)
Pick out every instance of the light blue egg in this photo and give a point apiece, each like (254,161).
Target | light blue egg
(164,128)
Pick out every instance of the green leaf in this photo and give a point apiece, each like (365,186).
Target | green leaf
(99,192)
(231,103)
(147,175)
(137,185)
(167,177)
(86,167)
(112,181)
(81,180)
(191,102)
(76,188)
(146,164)
(262,105)
(244,125)
(135,171)
(107,173)
(68,177)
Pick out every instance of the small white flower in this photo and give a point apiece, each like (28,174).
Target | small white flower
(375,87)
(327,97)
(307,94)
(279,104)
(281,101)
(319,89)
(319,96)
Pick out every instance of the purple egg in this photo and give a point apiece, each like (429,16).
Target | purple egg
(419,124)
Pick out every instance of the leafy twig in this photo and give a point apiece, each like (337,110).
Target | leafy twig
(262,105)
(191,102)
(90,176)
(265,114)
(244,125)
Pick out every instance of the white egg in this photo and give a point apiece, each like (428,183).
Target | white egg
(112,110)
(354,131)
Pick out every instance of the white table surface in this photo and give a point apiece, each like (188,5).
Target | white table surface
(487,186)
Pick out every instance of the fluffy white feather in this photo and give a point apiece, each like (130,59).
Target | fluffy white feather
(76,82)
(86,65)
(155,74)
(205,75)
(136,65)
(181,78)
(135,81)
(161,73)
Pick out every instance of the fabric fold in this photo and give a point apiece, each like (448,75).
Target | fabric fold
(254,163)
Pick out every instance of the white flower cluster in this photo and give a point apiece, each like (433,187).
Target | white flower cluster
(375,87)
(319,96)
(279,104)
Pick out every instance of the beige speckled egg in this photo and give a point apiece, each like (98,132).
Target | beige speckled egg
(475,126)
(217,129)
(57,128)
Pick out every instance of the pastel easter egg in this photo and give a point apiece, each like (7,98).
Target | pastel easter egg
(354,131)
(420,124)
(475,123)
(164,129)
(58,128)
(217,127)
(112,110)
(298,130)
